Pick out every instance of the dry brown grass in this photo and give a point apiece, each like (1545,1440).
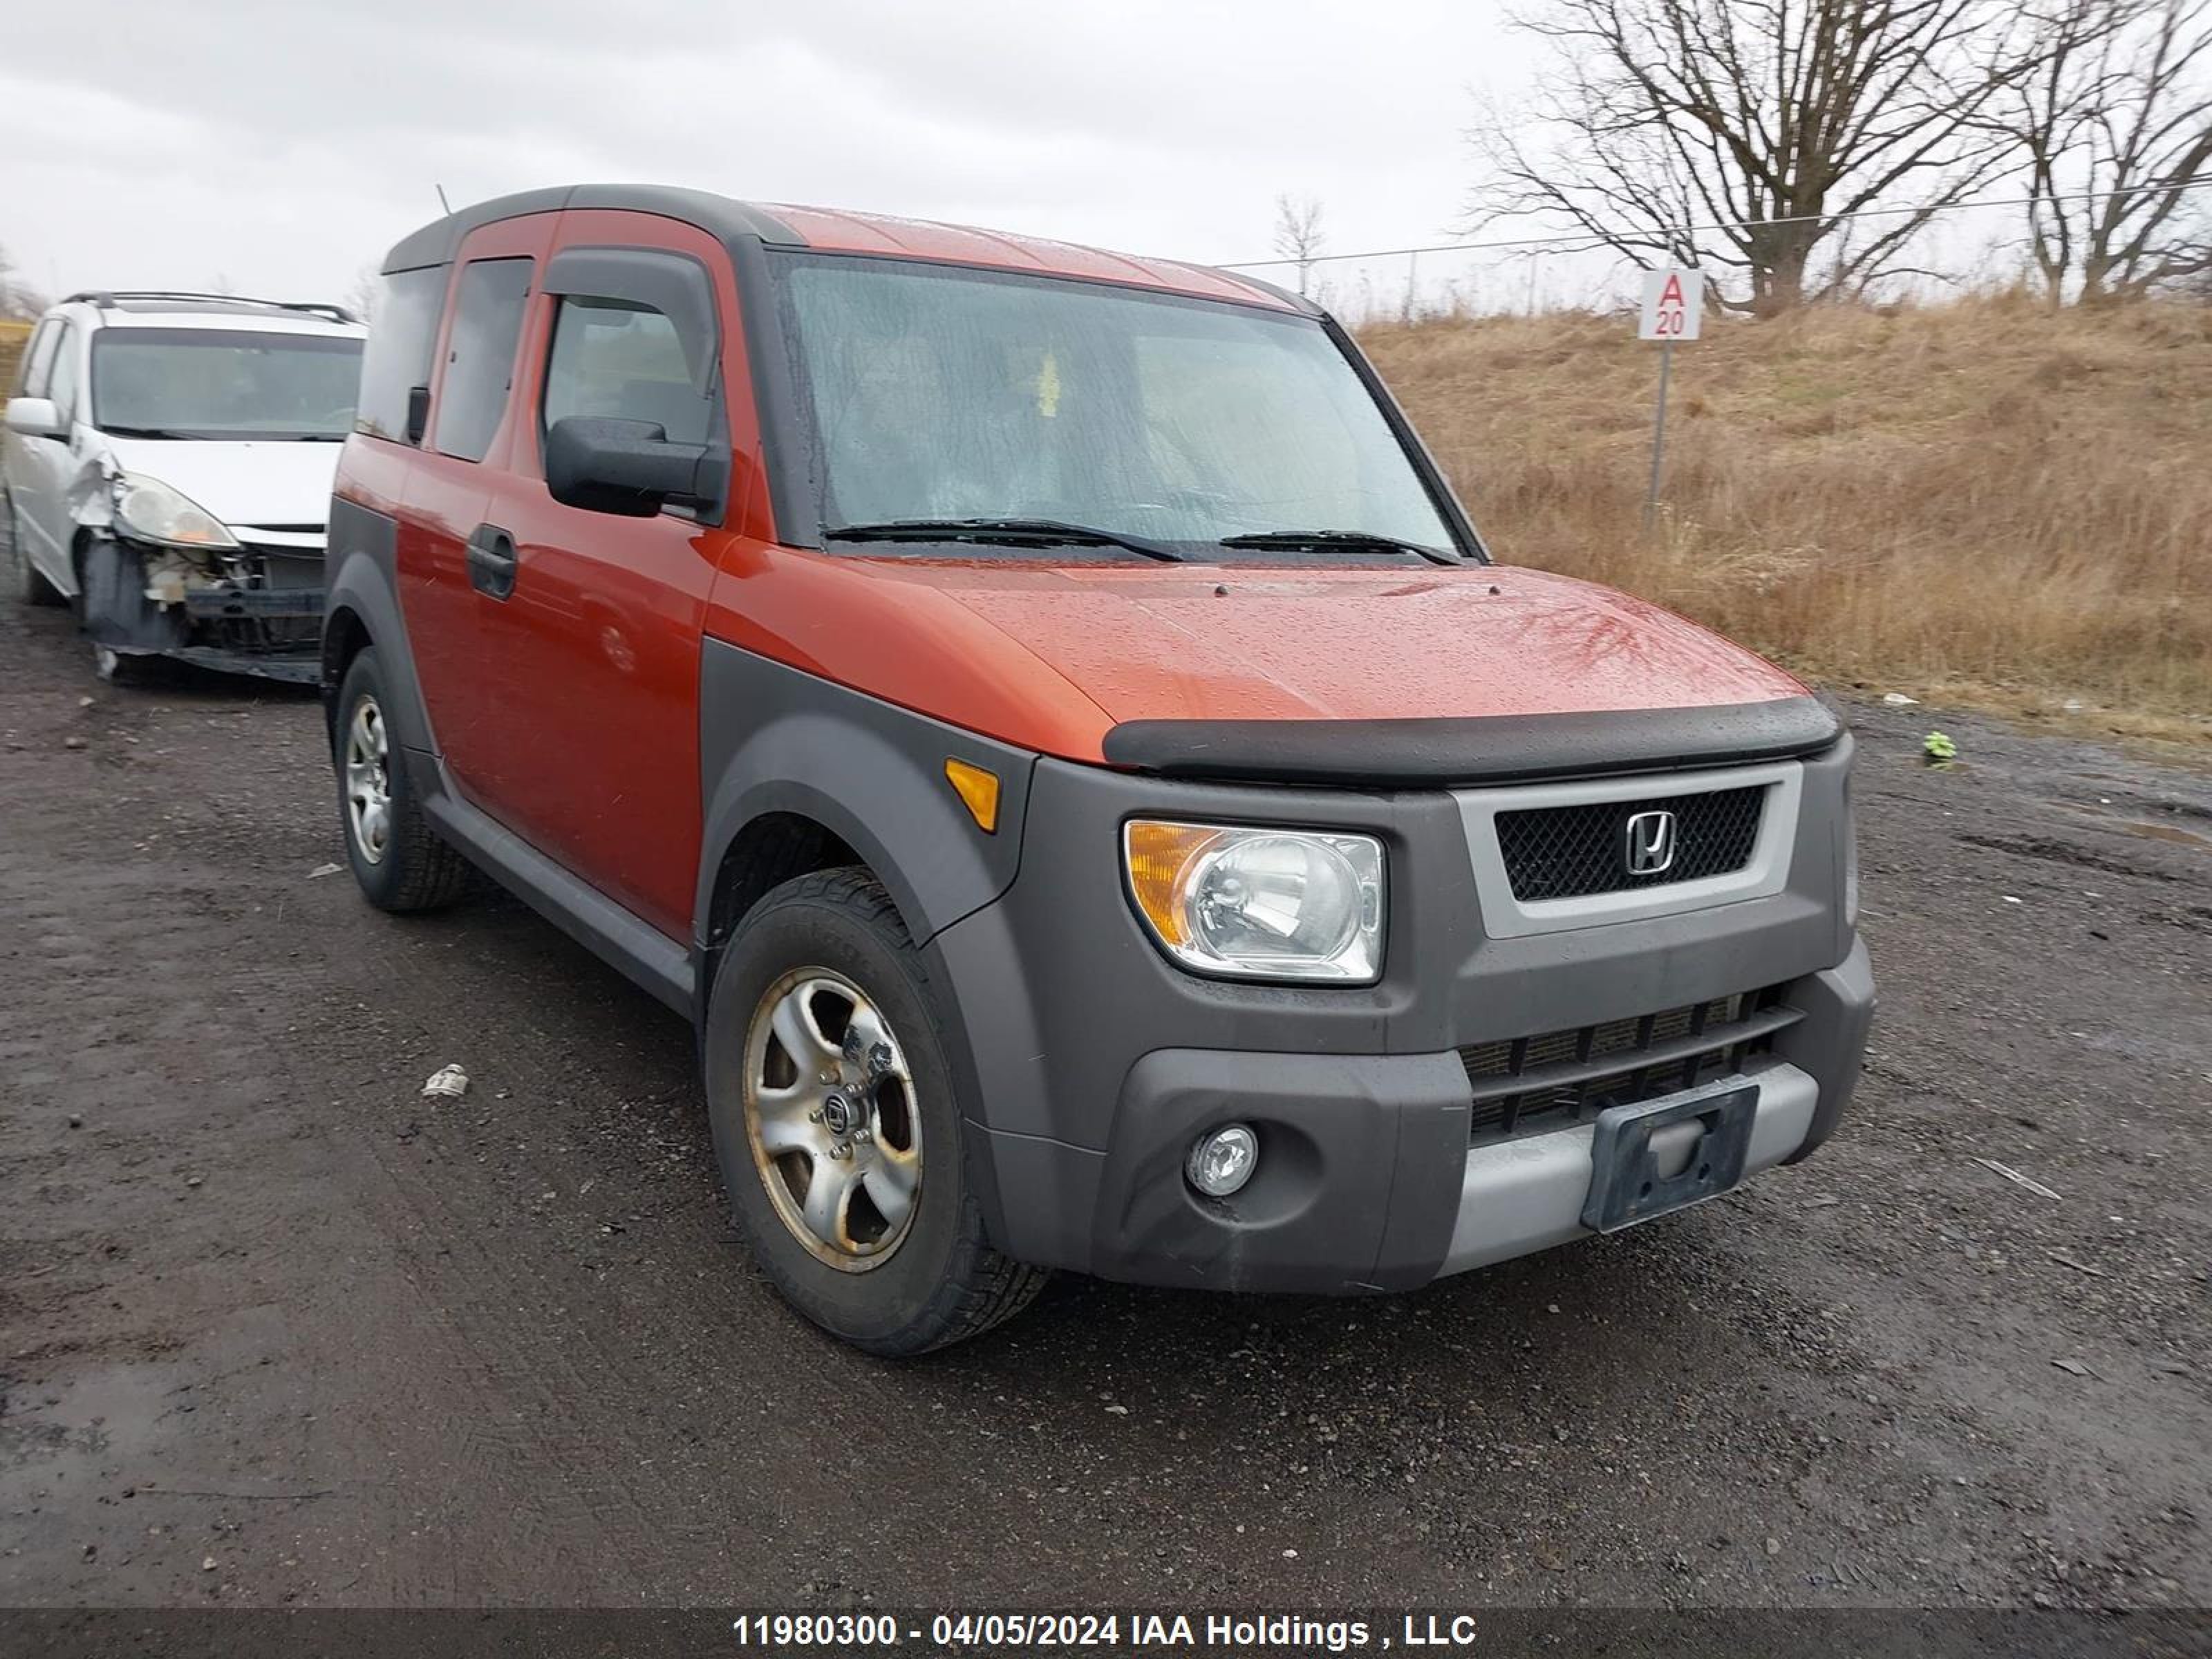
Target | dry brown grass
(1979,499)
(14,337)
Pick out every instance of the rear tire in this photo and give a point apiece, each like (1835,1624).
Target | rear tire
(904,1265)
(398,859)
(25,585)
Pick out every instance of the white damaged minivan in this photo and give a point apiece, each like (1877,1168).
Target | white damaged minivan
(167,466)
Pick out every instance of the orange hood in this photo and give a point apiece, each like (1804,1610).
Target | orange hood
(1052,657)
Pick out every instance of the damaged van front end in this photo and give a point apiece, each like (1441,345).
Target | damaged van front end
(161,577)
(165,461)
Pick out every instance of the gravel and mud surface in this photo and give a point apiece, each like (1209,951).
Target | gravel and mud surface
(276,1330)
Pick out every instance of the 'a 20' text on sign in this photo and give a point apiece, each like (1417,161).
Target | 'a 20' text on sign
(1673,300)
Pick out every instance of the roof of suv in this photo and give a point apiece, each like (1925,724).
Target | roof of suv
(835,230)
(151,310)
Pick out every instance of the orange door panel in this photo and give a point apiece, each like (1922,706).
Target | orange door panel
(594,661)
(446,497)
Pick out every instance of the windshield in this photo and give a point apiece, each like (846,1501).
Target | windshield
(223,384)
(940,395)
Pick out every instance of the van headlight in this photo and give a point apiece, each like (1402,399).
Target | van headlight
(148,510)
(1283,904)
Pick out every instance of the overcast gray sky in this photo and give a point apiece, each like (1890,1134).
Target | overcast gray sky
(278,146)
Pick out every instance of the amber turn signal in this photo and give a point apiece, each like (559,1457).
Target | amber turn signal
(1163,857)
(978,791)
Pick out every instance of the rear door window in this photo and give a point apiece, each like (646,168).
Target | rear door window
(62,385)
(480,355)
(402,338)
(37,360)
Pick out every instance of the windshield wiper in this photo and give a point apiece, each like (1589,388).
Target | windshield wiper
(1347,541)
(149,432)
(1043,532)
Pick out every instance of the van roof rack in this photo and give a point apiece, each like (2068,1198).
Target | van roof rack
(109,299)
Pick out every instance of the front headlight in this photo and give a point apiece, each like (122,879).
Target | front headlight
(148,510)
(1260,903)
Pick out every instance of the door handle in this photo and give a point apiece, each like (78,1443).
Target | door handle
(492,562)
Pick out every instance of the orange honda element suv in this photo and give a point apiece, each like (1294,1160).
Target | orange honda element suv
(1046,719)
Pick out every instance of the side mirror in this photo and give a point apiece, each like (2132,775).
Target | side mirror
(36,417)
(418,412)
(625,467)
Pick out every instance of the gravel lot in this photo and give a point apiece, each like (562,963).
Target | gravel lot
(274,1329)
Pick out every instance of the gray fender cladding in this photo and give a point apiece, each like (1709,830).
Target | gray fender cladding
(362,574)
(775,739)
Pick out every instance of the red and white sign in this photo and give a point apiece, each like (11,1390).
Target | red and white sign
(1674,300)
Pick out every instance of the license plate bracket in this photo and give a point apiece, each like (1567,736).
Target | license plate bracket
(1626,1186)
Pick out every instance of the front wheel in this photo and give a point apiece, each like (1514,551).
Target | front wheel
(834,1121)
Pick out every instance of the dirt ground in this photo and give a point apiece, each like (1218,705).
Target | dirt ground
(274,1329)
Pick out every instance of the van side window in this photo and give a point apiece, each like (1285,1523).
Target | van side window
(62,388)
(398,357)
(614,357)
(31,383)
(480,363)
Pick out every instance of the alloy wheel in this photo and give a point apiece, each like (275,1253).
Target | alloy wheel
(369,781)
(830,1113)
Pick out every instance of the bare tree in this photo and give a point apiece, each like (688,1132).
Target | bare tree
(1772,119)
(2116,123)
(1299,237)
(360,297)
(18,300)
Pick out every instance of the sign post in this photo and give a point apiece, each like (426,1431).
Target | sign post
(1674,304)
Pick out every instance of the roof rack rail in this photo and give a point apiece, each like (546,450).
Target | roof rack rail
(105,298)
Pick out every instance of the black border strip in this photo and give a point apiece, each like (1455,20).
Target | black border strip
(1486,749)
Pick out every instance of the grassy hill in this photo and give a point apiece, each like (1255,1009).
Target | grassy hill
(13,337)
(1982,501)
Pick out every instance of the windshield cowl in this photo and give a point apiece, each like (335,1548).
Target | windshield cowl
(922,540)
(167,434)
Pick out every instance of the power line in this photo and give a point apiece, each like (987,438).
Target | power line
(1586,239)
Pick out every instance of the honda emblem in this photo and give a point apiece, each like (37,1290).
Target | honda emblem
(1647,843)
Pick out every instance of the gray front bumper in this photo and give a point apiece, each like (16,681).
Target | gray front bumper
(1087,1062)
(1367,1179)
(1527,1194)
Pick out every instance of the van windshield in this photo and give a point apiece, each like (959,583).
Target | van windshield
(231,383)
(957,396)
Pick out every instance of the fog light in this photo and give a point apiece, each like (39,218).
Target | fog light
(1222,1160)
